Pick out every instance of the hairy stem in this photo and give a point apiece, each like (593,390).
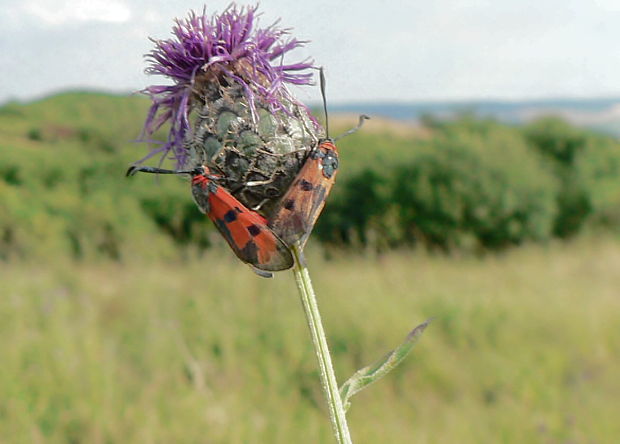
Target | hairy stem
(328,378)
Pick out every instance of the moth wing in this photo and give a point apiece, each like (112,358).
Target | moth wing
(302,204)
(247,233)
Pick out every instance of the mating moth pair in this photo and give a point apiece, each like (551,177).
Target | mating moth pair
(264,244)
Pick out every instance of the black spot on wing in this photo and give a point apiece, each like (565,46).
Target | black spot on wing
(289,204)
(249,253)
(254,230)
(223,229)
(230,216)
(305,185)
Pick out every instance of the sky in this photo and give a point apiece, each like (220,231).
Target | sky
(397,50)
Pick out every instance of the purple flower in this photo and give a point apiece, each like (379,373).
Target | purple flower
(207,52)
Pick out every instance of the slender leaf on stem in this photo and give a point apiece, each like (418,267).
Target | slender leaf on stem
(372,373)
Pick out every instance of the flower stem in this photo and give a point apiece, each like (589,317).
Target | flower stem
(328,377)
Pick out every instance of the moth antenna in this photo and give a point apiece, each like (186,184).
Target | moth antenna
(322,80)
(362,119)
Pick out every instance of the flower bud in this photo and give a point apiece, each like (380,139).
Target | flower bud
(229,106)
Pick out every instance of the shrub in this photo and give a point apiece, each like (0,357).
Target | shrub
(35,134)
(474,184)
(598,170)
(351,214)
(475,188)
(556,139)
(587,166)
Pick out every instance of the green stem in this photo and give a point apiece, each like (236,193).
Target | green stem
(328,377)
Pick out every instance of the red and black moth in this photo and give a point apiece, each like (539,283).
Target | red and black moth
(245,230)
(303,202)
(261,243)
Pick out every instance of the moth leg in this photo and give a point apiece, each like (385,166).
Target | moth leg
(260,205)
(256,183)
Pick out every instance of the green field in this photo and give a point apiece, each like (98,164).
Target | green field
(124,318)
(524,348)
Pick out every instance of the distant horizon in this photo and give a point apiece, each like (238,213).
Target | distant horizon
(337,103)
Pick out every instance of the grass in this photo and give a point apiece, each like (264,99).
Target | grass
(524,348)
(138,340)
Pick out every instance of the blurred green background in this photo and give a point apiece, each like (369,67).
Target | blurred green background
(124,317)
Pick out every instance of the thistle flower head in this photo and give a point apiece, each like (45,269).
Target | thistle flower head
(208,58)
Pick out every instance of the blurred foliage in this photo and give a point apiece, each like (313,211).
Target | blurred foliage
(587,167)
(523,349)
(474,184)
(467,183)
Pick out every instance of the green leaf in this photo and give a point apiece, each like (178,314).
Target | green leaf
(372,373)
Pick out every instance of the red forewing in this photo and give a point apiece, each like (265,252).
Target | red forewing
(303,202)
(245,231)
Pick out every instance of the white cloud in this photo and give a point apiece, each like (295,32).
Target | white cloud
(608,5)
(411,50)
(60,12)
